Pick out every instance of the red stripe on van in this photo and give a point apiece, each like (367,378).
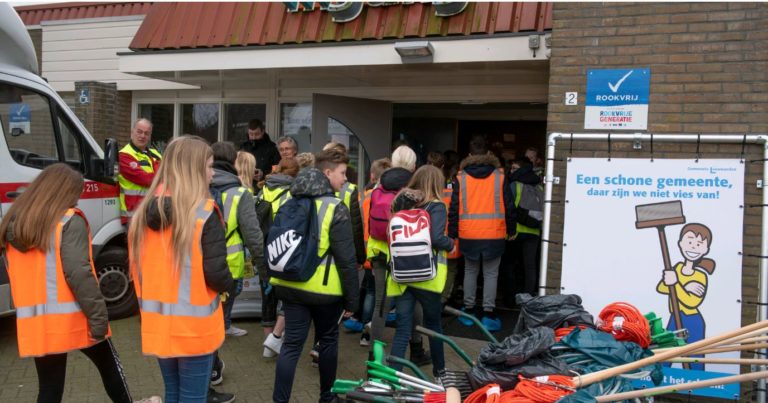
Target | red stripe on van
(91,190)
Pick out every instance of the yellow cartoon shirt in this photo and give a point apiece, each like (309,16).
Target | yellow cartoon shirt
(689,303)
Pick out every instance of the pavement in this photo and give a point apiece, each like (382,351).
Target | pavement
(247,374)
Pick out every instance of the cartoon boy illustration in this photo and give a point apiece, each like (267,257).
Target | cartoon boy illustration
(689,278)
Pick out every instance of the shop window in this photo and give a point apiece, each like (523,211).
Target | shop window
(296,121)
(201,120)
(27,124)
(161,116)
(236,118)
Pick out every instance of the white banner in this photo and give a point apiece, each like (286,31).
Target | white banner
(614,215)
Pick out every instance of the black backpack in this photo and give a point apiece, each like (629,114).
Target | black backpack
(530,210)
(292,244)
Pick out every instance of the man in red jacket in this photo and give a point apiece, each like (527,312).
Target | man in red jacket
(138,164)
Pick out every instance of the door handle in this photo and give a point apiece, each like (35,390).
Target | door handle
(12,195)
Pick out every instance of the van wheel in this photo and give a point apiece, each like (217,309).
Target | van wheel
(115,282)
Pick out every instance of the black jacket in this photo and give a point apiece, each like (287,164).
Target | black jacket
(214,247)
(357,227)
(477,166)
(265,152)
(395,178)
(526,176)
(312,183)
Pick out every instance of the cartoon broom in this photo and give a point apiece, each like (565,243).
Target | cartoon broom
(659,215)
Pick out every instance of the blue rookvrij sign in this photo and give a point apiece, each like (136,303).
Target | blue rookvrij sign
(617,99)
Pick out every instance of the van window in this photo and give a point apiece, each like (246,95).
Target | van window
(71,145)
(27,125)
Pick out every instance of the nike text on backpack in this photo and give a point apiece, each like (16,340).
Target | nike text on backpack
(530,207)
(410,246)
(292,242)
(381,210)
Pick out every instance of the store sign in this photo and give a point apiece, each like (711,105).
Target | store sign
(346,11)
(617,99)
(616,213)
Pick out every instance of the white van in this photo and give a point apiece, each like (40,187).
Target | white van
(38,129)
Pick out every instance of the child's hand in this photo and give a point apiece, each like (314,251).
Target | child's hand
(670,277)
(695,288)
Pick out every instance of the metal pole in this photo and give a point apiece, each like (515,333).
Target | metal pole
(663,138)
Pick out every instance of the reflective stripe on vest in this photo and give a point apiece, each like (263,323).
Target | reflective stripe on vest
(482,219)
(326,280)
(345,193)
(128,188)
(520,228)
(235,248)
(48,318)
(435,285)
(183,305)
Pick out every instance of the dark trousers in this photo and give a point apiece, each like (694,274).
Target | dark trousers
(297,320)
(51,370)
(527,247)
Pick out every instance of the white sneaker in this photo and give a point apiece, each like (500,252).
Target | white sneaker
(235,331)
(273,343)
(153,399)
(268,353)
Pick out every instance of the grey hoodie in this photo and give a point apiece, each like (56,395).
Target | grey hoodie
(247,220)
(312,183)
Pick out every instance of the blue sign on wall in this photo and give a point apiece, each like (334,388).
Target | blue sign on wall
(617,99)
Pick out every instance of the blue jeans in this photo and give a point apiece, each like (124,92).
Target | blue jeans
(405,305)
(369,300)
(186,378)
(297,320)
(696,331)
(237,288)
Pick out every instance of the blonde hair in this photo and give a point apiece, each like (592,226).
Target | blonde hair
(305,160)
(430,180)
(404,157)
(182,180)
(379,166)
(35,213)
(335,146)
(245,164)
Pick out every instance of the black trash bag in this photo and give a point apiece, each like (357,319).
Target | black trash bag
(524,354)
(553,311)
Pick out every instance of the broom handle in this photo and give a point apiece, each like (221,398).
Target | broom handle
(685,386)
(672,289)
(738,361)
(585,380)
(745,338)
(728,349)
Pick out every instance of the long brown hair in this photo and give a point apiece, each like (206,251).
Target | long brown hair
(36,212)
(182,179)
(430,180)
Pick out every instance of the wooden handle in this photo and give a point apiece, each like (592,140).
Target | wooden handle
(452,395)
(728,349)
(686,386)
(588,379)
(736,361)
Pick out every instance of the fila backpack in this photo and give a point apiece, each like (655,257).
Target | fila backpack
(293,240)
(410,246)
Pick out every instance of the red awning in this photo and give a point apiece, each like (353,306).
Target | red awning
(182,25)
(35,14)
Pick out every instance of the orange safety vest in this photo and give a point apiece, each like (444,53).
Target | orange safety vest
(480,216)
(447,192)
(180,315)
(48,318)
(365,207)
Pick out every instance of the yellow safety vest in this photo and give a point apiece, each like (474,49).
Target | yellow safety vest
(522,229)
(326,280)
(345,193)
(275,197)
(230,198)
(129,188)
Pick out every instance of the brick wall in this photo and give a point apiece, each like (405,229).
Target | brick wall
(108,113)
(709,74)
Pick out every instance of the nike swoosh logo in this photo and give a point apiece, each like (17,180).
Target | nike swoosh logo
(615,87)
(286,256)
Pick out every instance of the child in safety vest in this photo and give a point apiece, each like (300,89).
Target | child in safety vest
(423,192)
(331,293)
